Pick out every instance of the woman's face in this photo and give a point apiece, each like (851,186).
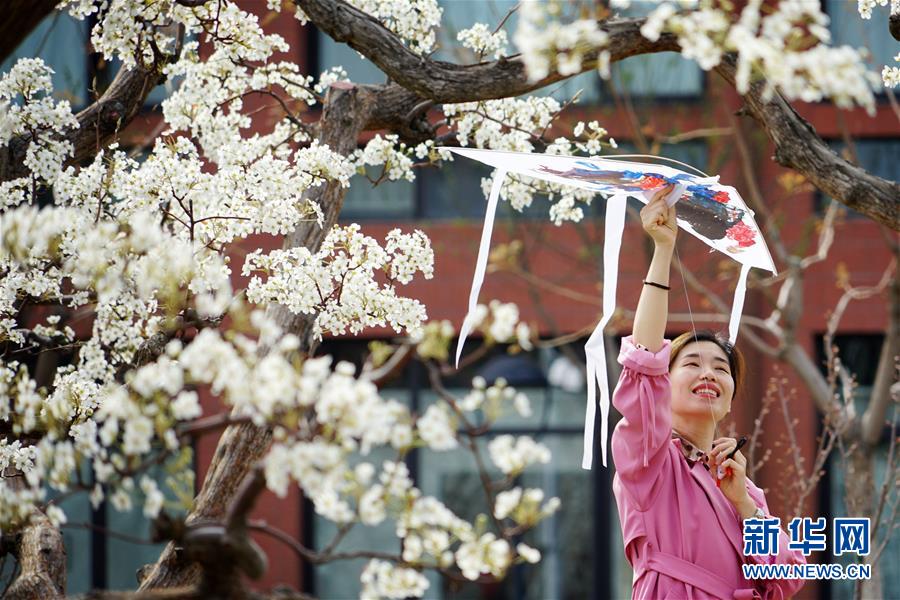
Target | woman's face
(702,382)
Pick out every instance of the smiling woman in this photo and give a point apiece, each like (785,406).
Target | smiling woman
(682,493)
(703,366)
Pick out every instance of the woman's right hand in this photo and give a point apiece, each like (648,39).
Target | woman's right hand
(658,219)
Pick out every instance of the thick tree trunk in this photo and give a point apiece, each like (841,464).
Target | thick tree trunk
(346,112)
(42,560)
(860,495)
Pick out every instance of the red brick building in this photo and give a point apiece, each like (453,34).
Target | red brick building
(657,100)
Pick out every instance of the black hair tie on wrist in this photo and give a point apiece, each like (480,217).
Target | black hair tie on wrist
(659,285)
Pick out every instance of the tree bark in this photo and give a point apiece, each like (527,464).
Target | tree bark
(874,418)
(345,114)
(860,495)
(42,559)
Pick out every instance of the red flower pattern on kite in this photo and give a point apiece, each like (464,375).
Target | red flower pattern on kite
(650,182)
(721,197)
(742,234)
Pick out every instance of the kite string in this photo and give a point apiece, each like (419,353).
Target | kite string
(694,331)
(672,160)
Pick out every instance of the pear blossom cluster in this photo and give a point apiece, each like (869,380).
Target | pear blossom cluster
(127,30)
(487,554)
(785,48)
(338,283)
(524,506)
(516,124)
(482,41)
(788,47)
(512,455)
(865,7)
(493,400)
(26,107)
(550,46)
(382,579)
(500,323)
(891,75)
(387,152)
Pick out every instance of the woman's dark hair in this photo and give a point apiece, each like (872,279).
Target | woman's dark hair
(735,358)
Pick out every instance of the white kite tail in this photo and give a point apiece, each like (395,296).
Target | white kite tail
(594,349)
(737,307)
(481,264)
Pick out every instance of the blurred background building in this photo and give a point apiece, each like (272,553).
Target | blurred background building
(661,104)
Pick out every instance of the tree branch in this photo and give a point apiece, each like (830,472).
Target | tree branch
(98,123)
(873,420)
(418,78)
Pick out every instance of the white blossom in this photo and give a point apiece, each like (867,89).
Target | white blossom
(338,282)
(381,579)
(531,555)
(481,40)
(436,428)
(486,554)
(512,455)
(153,497)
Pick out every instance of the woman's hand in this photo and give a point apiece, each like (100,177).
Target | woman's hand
(659,219)
(732,475)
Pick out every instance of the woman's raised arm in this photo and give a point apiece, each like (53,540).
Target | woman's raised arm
(653,306)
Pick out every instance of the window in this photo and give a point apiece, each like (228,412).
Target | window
(460,14)
(454,191)
(847,28)
(62,42)
(860,354)
(386,201)
(875,156)
(333,54)
(651,76)
(577,544)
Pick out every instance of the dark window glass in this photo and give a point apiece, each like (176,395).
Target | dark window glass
(455,191)
(463,14)
(849,29)
(663,74)
(336,54)
(385,201)
(61,42)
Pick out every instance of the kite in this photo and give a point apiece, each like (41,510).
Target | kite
(711,212)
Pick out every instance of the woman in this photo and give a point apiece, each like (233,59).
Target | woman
(683,533)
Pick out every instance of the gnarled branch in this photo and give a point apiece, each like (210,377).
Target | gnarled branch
(797,145)
(99,122)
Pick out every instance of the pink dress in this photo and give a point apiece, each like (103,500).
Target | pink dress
(682,536)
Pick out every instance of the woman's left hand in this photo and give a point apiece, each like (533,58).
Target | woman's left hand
(733,480)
